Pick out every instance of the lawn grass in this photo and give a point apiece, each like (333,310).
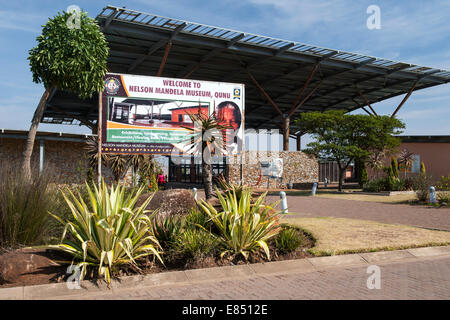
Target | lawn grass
(339,236)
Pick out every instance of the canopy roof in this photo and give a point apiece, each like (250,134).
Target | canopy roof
(281,77)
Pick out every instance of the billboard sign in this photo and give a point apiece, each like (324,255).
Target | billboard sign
(143,114)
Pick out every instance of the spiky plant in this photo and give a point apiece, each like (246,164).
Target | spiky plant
(244,225)
(206,139)
(108,230)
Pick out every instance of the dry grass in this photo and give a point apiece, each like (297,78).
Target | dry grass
(339,235)
(366,197)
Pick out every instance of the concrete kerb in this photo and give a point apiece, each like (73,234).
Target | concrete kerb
(60,290)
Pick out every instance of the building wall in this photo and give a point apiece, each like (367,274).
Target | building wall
(435,156)
(298,168)
(66,160)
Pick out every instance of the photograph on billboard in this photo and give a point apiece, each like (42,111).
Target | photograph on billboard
(143,114)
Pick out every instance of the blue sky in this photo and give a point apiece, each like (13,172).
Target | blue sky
(416,32)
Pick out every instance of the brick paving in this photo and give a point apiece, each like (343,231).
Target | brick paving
(407,279)
(413,215)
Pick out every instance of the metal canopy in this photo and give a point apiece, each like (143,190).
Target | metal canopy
(291,76)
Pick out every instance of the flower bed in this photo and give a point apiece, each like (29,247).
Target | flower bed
(108,235)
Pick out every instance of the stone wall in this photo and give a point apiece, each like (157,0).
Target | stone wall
(298,168)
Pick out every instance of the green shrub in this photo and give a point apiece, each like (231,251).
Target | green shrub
(444,183)
(24,206)
(376,185)
(198,218)
(243,226)
(167,229)
(394,166)
(288,240)
(195,243)
(387,184)
(390,181)
(107,231)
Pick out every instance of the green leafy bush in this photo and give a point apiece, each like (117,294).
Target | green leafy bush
(107,231)
(388,184)
(363,176)
(243,226)
(288,240)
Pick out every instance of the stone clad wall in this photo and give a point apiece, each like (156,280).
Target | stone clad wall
(298,168)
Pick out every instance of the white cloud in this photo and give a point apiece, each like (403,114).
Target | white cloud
(12,20)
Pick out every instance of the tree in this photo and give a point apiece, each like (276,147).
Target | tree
(206,139)
(348,137)
(362,176)
(407,158)
(70,58)
(422,168)
(394,166)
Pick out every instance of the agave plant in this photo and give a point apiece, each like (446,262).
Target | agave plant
(108,231)
(243,226)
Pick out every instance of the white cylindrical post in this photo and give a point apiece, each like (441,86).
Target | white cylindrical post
(314,188)
(284,206)
(432,195)
(41,155)
(194,190)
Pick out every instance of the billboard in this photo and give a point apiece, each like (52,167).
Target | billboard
(143,114)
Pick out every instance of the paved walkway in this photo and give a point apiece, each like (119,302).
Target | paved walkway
(413,215)
(421,273)
(412,279)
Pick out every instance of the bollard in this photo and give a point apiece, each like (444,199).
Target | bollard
(432,195)
(314,188)
(325,182)
(284,206)
(195,193)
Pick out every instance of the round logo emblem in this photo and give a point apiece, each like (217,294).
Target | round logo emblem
(112,85)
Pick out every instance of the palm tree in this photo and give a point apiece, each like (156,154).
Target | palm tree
(206,139)
(407,159)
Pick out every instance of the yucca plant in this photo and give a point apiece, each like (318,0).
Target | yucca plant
(226,186)
(244,226)
(108,231)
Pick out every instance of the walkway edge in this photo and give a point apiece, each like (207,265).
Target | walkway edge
(60,290)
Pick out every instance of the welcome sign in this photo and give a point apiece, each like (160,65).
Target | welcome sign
(142,114)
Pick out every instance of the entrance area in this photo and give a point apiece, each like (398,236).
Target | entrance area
(189,169)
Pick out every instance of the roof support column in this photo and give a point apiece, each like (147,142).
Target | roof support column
(264,93)
(164,59)
(405,98)
(367,101)
(313,71)
(286,124)
(299,141)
